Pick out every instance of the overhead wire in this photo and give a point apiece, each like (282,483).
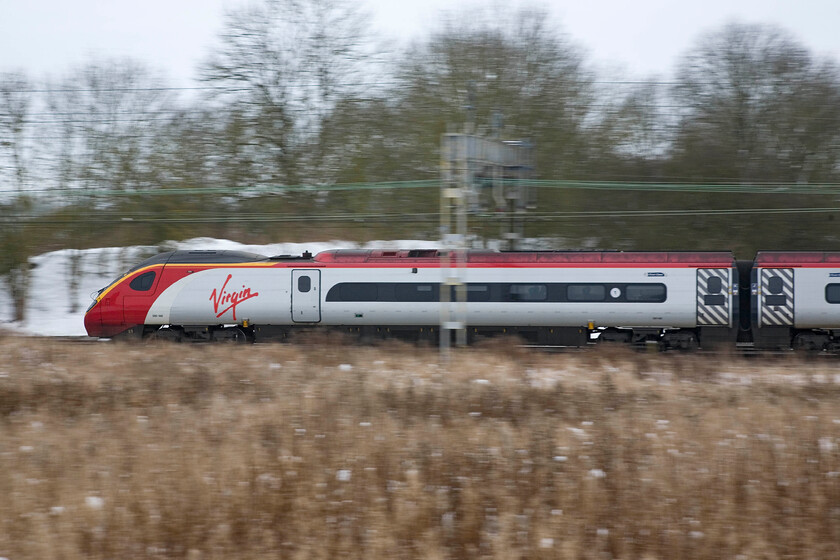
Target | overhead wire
(754,187)
(396,217)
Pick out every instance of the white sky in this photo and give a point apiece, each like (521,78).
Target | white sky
(638,37)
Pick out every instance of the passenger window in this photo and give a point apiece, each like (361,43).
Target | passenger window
(143,283)
(304,284)
(478,292)
(360,291)
(774,285)
(650,293)
(714,285)
(832,293)
(586,292)
(417,292)
(528,292)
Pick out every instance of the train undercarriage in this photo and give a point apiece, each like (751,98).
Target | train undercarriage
(687,340)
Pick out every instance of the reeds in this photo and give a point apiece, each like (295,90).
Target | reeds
(329,450)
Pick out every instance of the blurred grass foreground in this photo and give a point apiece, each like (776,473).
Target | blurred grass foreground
(321,451)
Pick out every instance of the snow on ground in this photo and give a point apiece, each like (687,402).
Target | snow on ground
(63,282)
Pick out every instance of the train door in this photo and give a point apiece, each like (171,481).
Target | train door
(306,296)
(714,297)
(775,297)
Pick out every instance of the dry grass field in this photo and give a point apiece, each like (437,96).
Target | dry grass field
(326,450)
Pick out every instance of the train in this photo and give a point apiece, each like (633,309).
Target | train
(680,300)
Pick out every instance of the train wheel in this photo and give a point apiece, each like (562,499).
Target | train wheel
(684,341)
(690,343)
(167,333)
(615,336)
(237,335)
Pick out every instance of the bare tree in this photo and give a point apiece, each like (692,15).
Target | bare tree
(636,121)
(15,105)
(105,117)
(284,65)
(487,68)
(757,106)
(16,97)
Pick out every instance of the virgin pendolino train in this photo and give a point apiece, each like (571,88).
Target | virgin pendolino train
(678,300)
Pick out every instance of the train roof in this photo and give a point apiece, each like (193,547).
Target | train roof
(794,258)
(193,256)
(351,256)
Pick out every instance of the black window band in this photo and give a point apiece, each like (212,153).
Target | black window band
(500,292)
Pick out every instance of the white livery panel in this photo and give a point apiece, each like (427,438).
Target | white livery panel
(225,296)
(812,289)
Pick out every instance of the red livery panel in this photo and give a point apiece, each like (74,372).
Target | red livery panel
(547,258)
(798,258)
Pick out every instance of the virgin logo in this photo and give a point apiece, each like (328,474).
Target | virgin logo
(228,300)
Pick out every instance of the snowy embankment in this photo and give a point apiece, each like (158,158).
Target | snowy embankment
(63,282)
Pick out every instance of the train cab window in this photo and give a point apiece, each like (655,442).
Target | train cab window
(143,283)
(832,293)
(647,293)
(586,292)
(714,284)
(528,292)
(304,284)
(775,285)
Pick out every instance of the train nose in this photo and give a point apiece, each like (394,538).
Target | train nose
(93,321)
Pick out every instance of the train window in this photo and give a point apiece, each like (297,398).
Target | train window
(304,284)
(143,283)
(774,284)
(714,284)
(775,300)
(717,299)
(416,292)
(357,291)
(647,293)
(430,292)
(586,292)
(528,292)
(832,293)
(478,292)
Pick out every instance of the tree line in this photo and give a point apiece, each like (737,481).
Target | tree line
(301,94)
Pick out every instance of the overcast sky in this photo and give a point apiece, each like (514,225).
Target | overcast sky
(637,37)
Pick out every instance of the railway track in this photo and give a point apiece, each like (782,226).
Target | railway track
(742,349)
